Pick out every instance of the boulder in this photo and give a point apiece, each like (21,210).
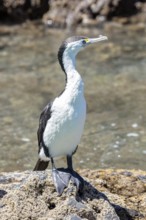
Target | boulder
(108,194)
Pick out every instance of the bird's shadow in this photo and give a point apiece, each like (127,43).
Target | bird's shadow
(90,192)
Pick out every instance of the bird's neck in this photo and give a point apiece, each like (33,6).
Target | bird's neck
(73,78)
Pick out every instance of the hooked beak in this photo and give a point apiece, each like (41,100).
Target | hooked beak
(95,40)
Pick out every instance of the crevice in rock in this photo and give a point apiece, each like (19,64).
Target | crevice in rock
(2,193)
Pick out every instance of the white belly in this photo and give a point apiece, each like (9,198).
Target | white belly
(64,129)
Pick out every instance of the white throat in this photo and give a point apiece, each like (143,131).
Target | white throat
(74,80)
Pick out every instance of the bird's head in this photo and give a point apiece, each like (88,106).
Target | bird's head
(72,45)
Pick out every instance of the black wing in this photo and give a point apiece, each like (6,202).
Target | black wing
(45,115)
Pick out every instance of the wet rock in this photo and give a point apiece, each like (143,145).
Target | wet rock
(31,195)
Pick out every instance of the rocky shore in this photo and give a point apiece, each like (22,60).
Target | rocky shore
(57,13)
(108,194)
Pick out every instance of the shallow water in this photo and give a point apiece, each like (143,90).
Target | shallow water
(114,73)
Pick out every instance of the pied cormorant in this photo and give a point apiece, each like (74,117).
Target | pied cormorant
(62,121)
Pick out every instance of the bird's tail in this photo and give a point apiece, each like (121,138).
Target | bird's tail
(41,165)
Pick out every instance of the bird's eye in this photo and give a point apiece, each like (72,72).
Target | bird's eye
(83,42)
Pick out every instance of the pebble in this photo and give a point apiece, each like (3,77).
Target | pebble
(135,125)
(115,146)
(113,124)
(25,139)
(133,135)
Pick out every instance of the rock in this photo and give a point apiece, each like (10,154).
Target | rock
(21,10)
(90,13)
(57,13)
(111,194)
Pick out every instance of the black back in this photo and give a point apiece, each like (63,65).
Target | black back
(44,117)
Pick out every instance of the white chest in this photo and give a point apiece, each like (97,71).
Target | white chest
(64,128)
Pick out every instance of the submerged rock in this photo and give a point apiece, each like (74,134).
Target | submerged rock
(115,194)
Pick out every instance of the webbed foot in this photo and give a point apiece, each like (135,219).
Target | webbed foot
(60,179)
(62,176)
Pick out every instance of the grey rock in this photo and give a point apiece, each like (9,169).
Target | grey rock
(36,198)
(31,195)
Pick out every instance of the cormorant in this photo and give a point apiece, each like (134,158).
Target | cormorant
(62,121)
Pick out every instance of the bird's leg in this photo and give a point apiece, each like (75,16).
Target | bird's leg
(60,178)
(77,180)
(69,162)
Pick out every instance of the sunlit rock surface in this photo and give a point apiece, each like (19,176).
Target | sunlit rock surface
(111,194)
